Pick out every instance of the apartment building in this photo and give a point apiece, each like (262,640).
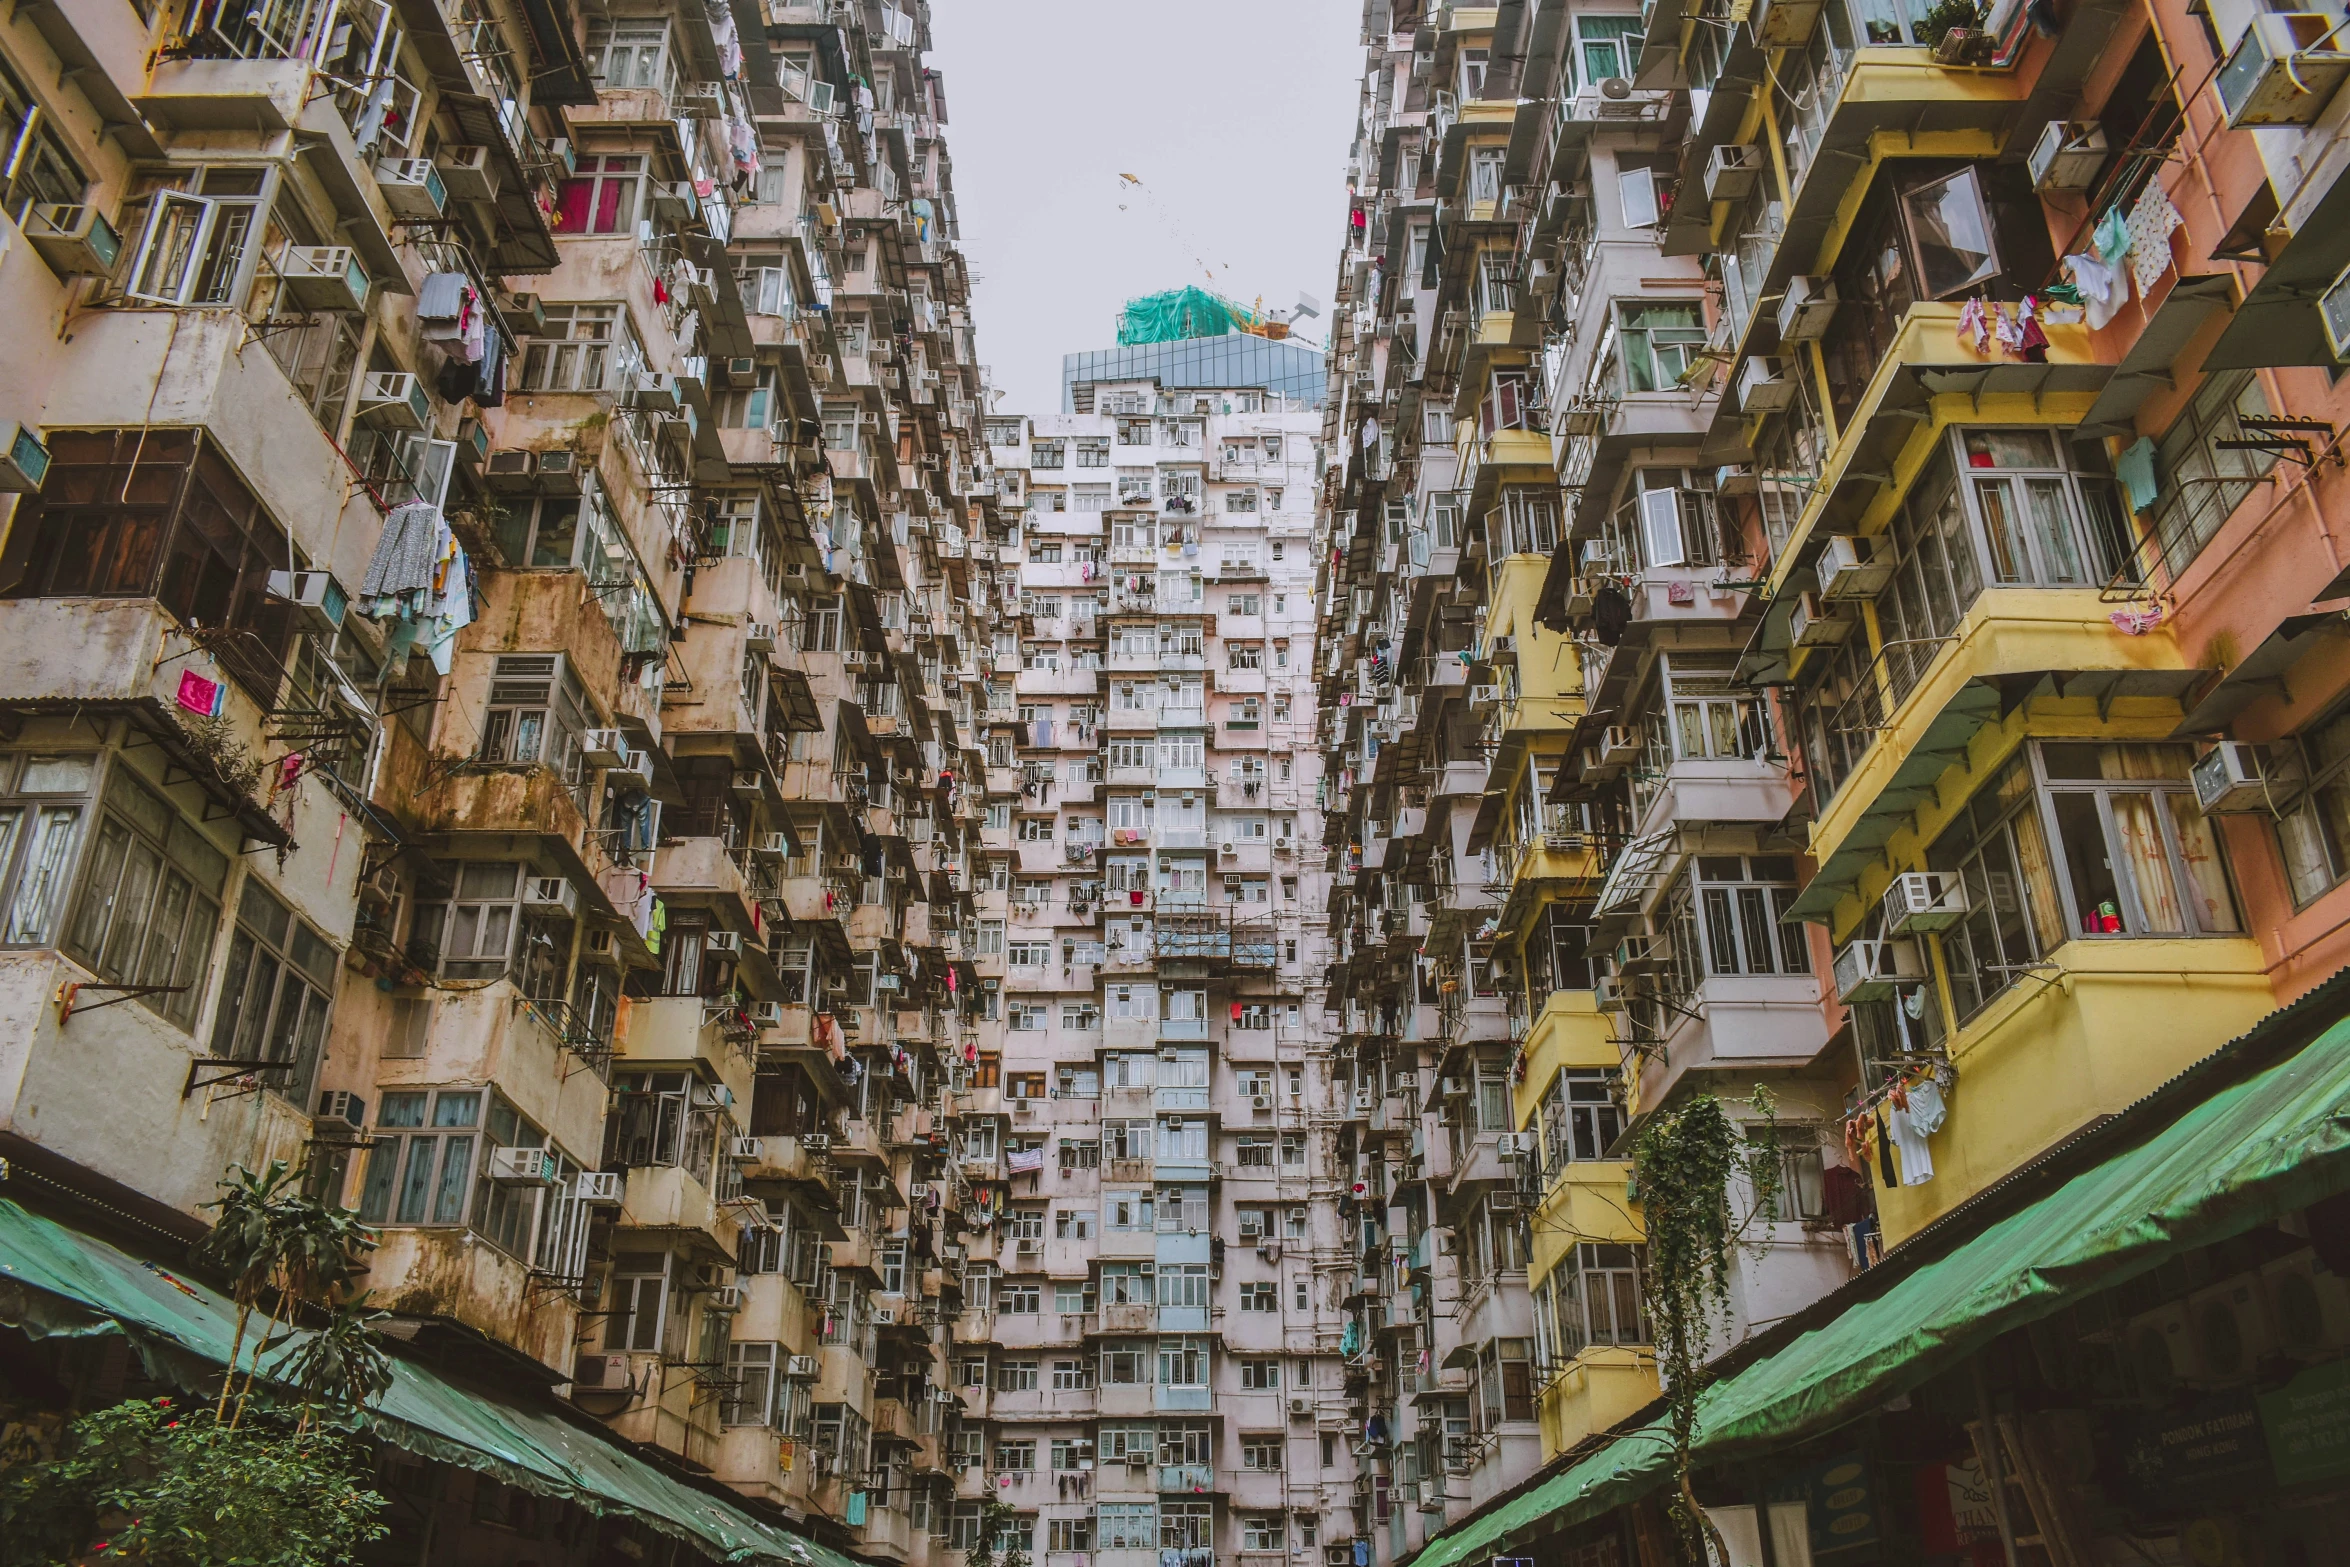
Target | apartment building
(1153,1330)
(1830,546)
(498,588)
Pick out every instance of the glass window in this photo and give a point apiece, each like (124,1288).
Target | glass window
(1607,46)
(43,800)
(420,1170)
(2202,480)
(149,899)
(585,348)
(1950,226)
(275,993)
(1658,343)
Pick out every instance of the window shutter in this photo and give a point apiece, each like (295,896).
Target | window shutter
(1660,525)
(1637,187)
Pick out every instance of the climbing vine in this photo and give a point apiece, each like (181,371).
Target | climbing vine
(1688,1163)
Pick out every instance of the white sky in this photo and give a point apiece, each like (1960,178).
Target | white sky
(1235,114)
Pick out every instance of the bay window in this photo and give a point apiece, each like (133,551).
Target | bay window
(275,992)
(43,800)
(149,899)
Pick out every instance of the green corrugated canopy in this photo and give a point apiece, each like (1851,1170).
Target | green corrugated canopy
(2247,1154)
(78,1284)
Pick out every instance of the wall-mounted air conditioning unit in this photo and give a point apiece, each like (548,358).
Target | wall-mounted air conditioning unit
(74,238)
(412,188)
(550,892)
(746,1150)
(524,1167)
(324,277)
(2069,156)
(2234,778)
(1807,309)
(1853,566)
(1731,170)
(1874,970)
(2284,70)
(468,173)
(727,942)
(1919,901)
(1764,386)
(604,748)
(394,400)
(598,1188)
(315,595)
(342,1108)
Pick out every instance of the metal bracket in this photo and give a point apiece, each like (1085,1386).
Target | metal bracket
(68,995)
(231,1070)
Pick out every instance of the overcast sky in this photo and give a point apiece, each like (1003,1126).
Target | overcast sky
(1234,114)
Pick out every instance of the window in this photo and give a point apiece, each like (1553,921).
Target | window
(1048,454)
(1597,1292)
(42,802)
(1740,905)
(1260,1375)
(1580,1118)
(630,54)
(750,1401)
(538,714)
(1094,453)
(166,518)
(275,992)
(1126,1363)
(420,1170)
(149,899)
(1187,1526)
(1659,342)
(1019,1300)
(2203,481)
(1069,1534)
(1263,1532)
(637,1316)
(1293,1150)
(1016,1376)
(1127,1526)
(585,348)
(2313,820)
(198,247)
(1607,46)
(43,172)
(1260,1295)
(1262,1453)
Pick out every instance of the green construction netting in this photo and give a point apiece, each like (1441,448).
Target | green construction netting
(181,1323)
(2276,1142)
(1179,313)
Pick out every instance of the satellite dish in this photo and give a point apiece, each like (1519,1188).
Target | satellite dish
(1615,87)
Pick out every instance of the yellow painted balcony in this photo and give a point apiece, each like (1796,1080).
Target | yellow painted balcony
(2088,1034)
(1602,1385)
(1921,709)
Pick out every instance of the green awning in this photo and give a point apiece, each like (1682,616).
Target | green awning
(86,1285)
(2248,1153)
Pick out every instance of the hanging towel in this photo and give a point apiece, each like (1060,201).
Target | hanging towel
(201,696)
(2101,288)
(2152,222)
(2135,469)
(2112,237)
(1927,1109)
(441,297)
(1917,1161)
(407,554)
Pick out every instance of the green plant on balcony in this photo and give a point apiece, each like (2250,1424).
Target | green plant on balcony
(1000,1537)
(216,744)
(1687,1164)
(1947,16)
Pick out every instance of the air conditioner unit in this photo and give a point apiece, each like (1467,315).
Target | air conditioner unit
(800,1368)
(526,314)
(601,947)
(2230,778)
(509,470)
(1809,626)
(74,239)
(701,101)
(468,173)
(729,1297)
(1731,171)
(1854,567)
(24,461)
(324,277)
(598,1188)
(759,636)
(320,599)
(1807,309)
(1919,901)
(1283,845)
(675,200)
(729,942)
(342,1107)
(1138,1460)
(1484,696)
(2283,71)
(604,748)
(768,1014)
(1300,1408)
(550,892)
(746,783)
(558,471)
(1618,746)
(1762,388)
(746,1150)
(1502,1200)
(2308,1305)
(601,1371)
(2069,156)
(1874,970)
(524,1166)
(1506,1145)
(394,400)
(412,188)
(1363,1099)
(1260,1101)
(710,1096)
(771,845)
